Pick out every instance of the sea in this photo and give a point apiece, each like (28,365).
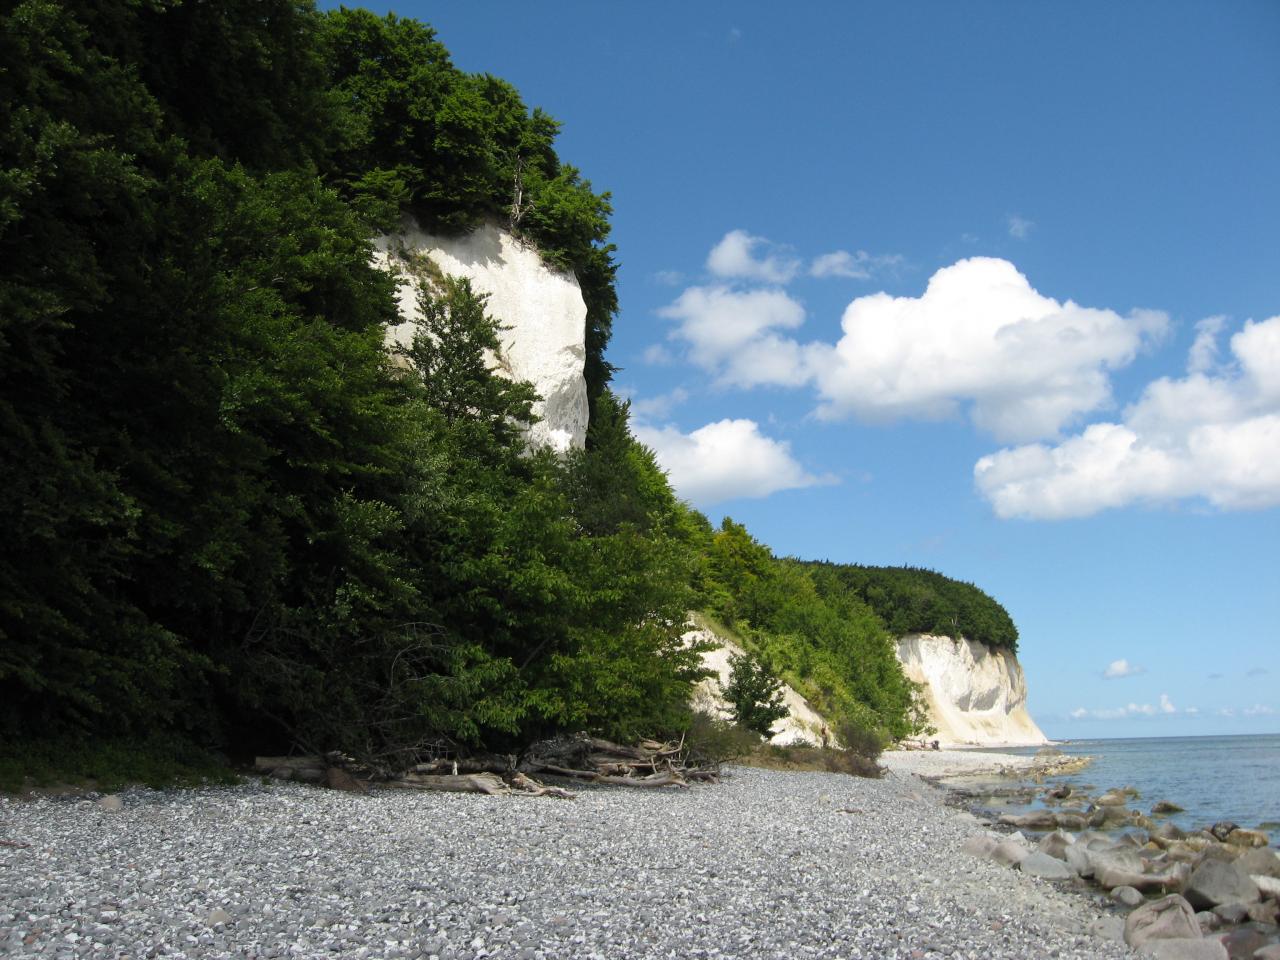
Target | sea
(1233,778)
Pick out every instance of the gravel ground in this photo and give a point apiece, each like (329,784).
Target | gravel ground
(767,864)
(953,763)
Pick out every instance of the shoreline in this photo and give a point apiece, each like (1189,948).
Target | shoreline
(952,763)
(765,864)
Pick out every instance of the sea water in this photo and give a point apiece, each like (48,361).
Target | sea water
(1213,778)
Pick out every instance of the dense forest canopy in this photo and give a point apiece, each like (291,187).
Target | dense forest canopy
(914,600)
(232,515)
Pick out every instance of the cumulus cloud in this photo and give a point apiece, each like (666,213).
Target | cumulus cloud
(1122,668)
(657,354)
(859,265)
(1019,227)
(740,256)
(732,333)
(1213,434)
(725,460)
(980,336)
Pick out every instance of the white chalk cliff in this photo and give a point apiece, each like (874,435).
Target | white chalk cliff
(541,309)
(977,696)
(802,724)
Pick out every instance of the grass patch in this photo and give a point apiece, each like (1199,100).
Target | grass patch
(108,765)
(805,757)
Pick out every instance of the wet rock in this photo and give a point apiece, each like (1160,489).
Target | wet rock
(1165,807)
(1113,798)
(1168,919)
(1070,821)
(1222,829)
(1214,883)
(1035,820)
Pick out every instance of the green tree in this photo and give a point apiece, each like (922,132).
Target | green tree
(754,694)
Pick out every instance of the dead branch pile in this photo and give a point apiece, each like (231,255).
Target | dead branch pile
(583,758)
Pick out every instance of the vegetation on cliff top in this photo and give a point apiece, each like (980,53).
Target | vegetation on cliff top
(231,516)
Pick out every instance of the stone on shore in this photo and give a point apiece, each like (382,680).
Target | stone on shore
(1267,885)
(1190,948)
(1232,912)
(1260,862)
(111,803)
(980,846)
(1214,883)
(1128,897)
(1240,837)
(1045,867)
(1055,844)
(1009,853)
(1169,919)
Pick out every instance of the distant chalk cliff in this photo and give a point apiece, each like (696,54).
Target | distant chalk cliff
(541,308)
(977,696)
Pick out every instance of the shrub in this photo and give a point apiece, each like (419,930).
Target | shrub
(754,694)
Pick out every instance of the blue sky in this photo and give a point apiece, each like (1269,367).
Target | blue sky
(983,287)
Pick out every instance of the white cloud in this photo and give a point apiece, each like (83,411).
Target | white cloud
(1164,707)
(856,266)
(725,460)
(1122,668)
(736,257)
(1019,227)
(658,355)
(1210,435)
(731,333)
(659,407)
(1191,711)
(1258,710)
(979,335)
(668,278)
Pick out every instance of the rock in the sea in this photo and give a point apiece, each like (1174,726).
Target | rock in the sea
(1161,807)
(1222,829)
(1128,897)
(1214,883)
(1113,798)
(1070,821)
(111,803)
(1190,948)
(1240,837)
(1035,820)
(1169,919)
(1045,867)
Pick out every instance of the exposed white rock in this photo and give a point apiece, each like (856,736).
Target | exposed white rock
(801,724)
(541,308)
(976,696)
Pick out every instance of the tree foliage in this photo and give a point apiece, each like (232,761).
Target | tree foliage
(754,694)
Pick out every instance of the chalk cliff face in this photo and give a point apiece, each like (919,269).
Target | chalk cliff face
(976,696)
(801,724)
(541,308)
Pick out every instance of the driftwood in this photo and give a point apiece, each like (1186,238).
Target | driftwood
(647,764)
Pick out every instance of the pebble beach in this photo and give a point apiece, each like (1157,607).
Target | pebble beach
(764,864)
